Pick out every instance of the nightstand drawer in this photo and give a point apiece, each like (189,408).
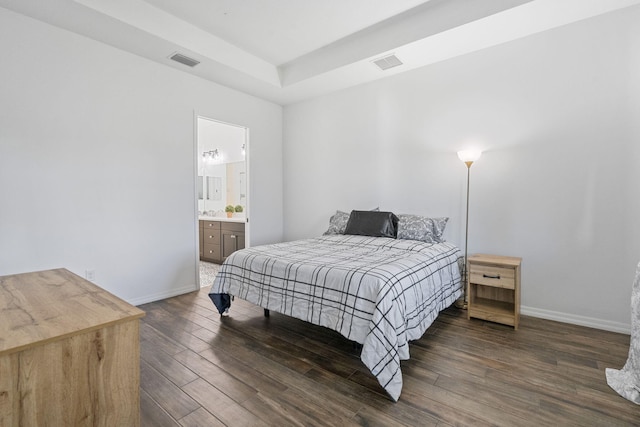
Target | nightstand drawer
(489,275)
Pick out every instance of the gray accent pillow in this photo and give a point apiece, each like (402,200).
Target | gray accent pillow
(424,229)
(337,223)
(374,224)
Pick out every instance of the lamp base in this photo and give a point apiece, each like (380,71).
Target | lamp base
(461,304)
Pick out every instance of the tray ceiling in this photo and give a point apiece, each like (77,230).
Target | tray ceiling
(286,51)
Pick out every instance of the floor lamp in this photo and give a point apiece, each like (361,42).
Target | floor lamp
(468,157)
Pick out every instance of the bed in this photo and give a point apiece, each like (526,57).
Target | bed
(378,291)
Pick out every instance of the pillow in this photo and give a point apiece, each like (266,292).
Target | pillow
(338,222)
(416,227)
(374,224)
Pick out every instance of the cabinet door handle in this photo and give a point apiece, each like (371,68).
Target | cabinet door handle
(491,276)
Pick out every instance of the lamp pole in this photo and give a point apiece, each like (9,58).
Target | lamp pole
(468,157)
(466,241)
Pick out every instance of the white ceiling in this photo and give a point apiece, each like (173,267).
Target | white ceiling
(279,31)
(288,50)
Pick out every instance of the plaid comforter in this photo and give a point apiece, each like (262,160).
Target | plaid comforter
(377,291)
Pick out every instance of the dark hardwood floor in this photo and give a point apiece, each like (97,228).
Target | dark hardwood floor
(199,369)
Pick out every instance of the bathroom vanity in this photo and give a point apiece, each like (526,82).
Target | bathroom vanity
(220,237)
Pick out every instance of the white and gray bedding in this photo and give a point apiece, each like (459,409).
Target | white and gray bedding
(380,292)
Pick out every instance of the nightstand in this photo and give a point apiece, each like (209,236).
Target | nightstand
(494,288)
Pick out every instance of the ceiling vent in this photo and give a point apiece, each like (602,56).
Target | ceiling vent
(190,62)
(387,62)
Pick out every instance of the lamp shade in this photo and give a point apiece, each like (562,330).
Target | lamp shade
(469,155)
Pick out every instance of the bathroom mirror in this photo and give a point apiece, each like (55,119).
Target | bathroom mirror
(221,178)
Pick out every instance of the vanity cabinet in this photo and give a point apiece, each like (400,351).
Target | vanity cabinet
(232,238)
(219,239)
(210,241)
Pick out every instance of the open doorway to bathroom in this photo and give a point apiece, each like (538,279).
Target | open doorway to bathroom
(222,193)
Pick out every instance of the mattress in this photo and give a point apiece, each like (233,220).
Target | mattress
(380,292)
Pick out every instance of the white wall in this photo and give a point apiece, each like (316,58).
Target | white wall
(97,161)
(556,115)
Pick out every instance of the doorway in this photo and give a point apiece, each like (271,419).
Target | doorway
(222,194)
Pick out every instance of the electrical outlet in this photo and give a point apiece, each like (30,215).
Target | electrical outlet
(90,274)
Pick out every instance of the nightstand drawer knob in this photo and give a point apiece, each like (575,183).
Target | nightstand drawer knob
(491,276)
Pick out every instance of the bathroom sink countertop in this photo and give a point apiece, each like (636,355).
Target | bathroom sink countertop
(222,218)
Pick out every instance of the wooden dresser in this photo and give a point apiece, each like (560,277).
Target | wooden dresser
(69,353)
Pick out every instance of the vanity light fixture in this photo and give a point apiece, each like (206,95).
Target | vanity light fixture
(467,157)
(211,156)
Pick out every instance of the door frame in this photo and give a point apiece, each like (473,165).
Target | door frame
(247,157)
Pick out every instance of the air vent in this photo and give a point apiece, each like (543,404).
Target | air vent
(190,62)
(387,62)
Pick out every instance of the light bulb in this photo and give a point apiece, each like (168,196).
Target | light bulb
(469,155)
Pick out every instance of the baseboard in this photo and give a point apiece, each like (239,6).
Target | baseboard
(591,322)
(573,319)
(162,295)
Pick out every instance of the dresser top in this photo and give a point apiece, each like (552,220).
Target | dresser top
(44,306)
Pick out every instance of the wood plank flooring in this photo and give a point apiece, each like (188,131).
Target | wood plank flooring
(199,369)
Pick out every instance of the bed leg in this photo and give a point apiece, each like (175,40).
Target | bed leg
(266,313)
